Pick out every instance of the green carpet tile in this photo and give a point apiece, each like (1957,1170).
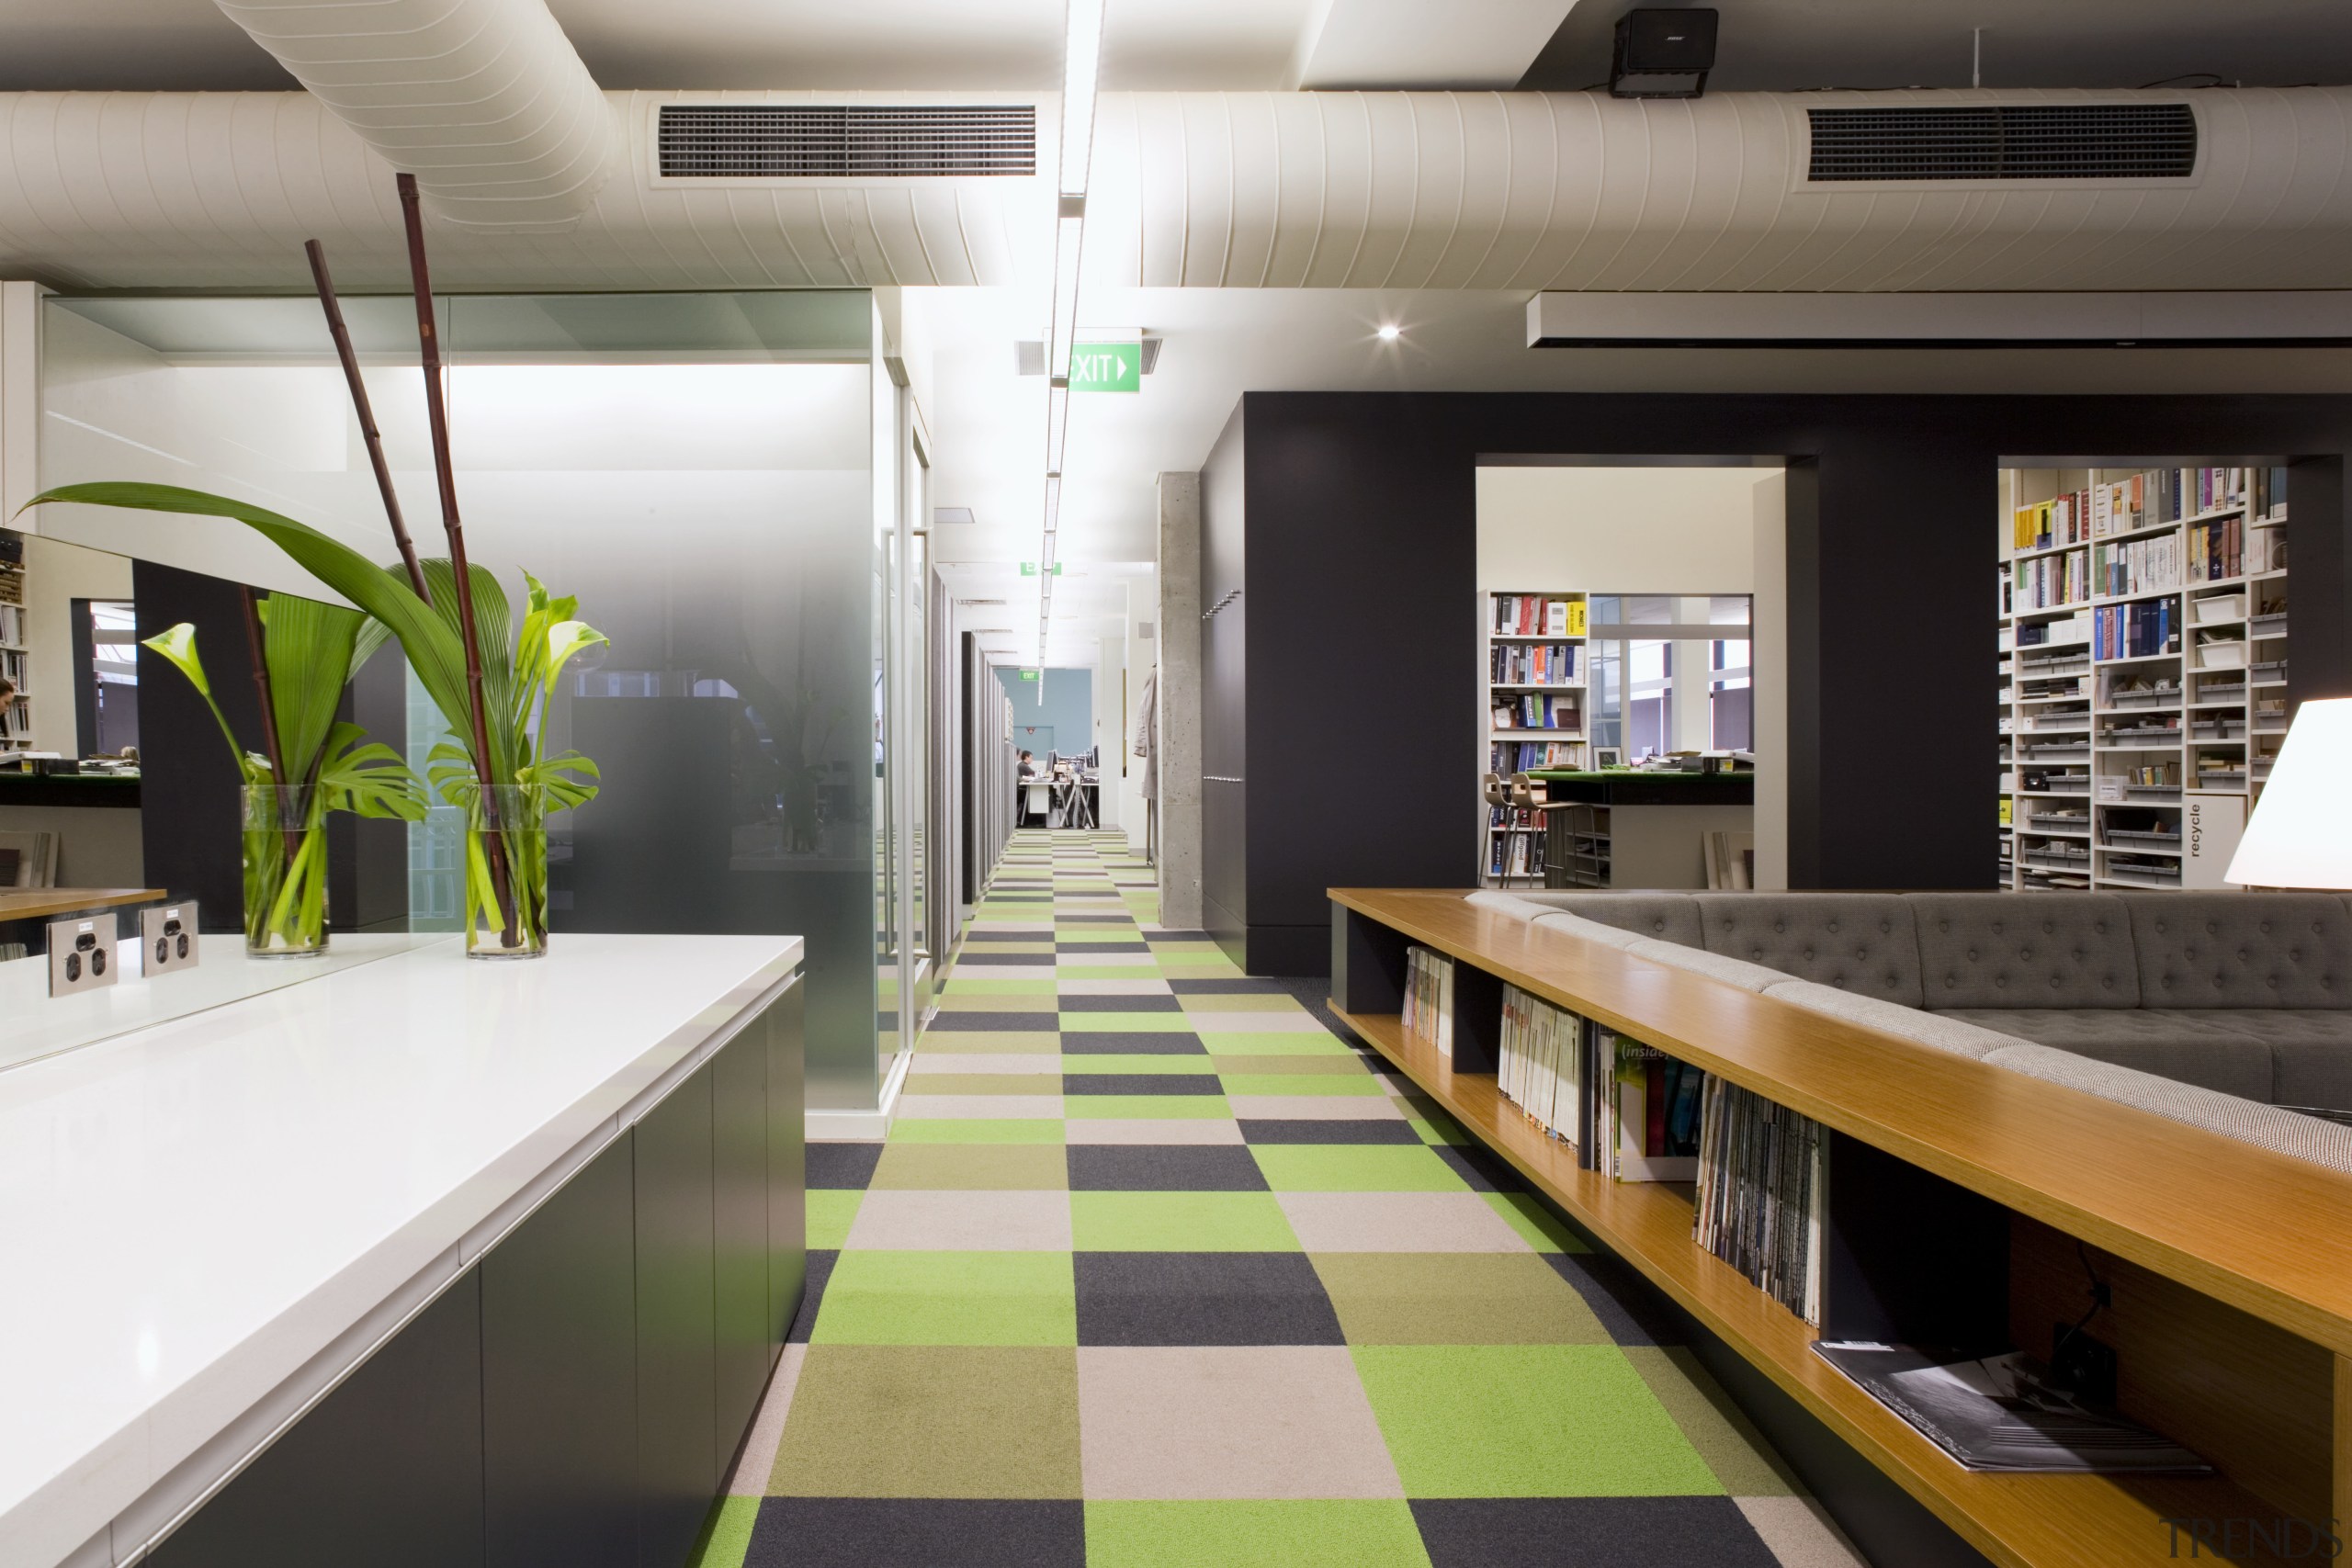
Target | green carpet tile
(1155,1270)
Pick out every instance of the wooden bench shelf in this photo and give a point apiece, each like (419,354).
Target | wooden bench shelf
(2139,1187)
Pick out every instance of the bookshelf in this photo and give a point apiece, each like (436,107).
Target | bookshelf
(1534,675)
(1965,1188)
(2142,670)
(15,658)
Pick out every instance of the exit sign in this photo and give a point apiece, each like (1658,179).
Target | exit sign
(1028,674)
(1111,367)
(1029,569)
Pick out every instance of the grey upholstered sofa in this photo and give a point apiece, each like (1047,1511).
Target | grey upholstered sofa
(2210,1008)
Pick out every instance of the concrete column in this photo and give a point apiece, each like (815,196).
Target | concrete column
(1142,656)
(1180,701)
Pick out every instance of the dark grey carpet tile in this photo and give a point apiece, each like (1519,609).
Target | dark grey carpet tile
(840,1166)
(1628,1306)
(1131,1043)
(1092,920)
(1121,1004)
(1230,986)
(821,1268)
(1137,1083)
(1482,1170)
(1134,949)
(1590,1532)
(970,959)
(1202,1298)
(993,1022)
(917,1532)
(1164,1167)
(1386,1131)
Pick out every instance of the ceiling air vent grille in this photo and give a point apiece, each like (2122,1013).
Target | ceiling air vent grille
(852,141)
(2005,141)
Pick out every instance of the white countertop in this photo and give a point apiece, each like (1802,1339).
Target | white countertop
(34,1025)
(205,1221)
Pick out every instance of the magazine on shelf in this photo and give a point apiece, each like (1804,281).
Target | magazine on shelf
(2001,1412)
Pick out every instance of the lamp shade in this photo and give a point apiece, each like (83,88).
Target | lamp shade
(2300,833)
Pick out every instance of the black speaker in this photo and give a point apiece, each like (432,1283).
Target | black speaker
(1663,54)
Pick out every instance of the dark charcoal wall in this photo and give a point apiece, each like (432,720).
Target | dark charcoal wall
(1360,709)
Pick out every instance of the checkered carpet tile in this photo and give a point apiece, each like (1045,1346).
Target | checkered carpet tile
(1154,1269)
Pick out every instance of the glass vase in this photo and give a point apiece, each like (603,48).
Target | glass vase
(506,873)
(285,856)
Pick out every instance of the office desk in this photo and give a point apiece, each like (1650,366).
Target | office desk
(1639,829)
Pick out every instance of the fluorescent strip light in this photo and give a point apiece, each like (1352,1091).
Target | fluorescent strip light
(1056,428)
(1053,503)
(1069,237)
(1081,64)
(1045,561)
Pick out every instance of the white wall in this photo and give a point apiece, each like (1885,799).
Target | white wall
(55,575)
(1617,530)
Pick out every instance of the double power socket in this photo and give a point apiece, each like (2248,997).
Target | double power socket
(82,955)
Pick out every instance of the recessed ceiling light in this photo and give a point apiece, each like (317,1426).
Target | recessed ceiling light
(1390,331)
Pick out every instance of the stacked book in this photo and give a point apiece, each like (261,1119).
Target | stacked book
(1760,1194)
(2142,566)
(1534,664)
(1538,713)
(1539,1066)
(1428,997)
(1536,614)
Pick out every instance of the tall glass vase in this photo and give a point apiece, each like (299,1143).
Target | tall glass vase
(506,873)
(286,870)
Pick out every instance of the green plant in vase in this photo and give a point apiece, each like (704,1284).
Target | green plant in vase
(455,624)
(310,763)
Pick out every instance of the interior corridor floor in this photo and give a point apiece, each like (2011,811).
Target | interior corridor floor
(1154,1268)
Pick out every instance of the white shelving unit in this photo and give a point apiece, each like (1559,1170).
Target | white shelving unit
(2142,670)
(1534,647)
(15,658)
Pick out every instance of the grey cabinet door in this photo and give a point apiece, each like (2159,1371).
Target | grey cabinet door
(677,1456)
(558,1363)
(788,1159)
(740,1223)
(384,1472)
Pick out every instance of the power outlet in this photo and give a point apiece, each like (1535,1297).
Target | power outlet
(167,938)
(2083,1366)
(81,955)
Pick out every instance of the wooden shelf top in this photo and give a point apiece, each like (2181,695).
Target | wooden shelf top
(39,903)
(2261,1231)
(2020,1521)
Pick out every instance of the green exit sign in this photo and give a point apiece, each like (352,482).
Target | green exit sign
(1028,674)
(1029,569)
(1109,367)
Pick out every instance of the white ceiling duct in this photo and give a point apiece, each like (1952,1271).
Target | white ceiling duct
(484,101)
(1580,191)
(1365,190)
(101,190)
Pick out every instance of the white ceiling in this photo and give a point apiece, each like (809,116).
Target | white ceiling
(1253,44)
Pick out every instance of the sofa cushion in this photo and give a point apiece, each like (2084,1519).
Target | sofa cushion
(1591,930)
(2242,950)
(2266,1126)
(1861,943)
(2051,950)
(2169,1044)
(1714,965)
(1669,917)
(1504,903)
(1942,1031)
(2310,1050)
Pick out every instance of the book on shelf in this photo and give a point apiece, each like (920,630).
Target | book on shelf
(1539,1062)
(2136,566)
(1508,757)
(1533,663)
(12,625)
(2045,582)
(1530,711)
(1760,1193)
(2004,1412)
(1538,614)
(1657,1098)
(1515,854)
(2136,631)
(1428,997)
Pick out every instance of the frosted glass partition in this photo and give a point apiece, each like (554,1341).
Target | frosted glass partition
(697,469)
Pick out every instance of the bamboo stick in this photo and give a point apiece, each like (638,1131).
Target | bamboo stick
(437,415)
(375,441)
